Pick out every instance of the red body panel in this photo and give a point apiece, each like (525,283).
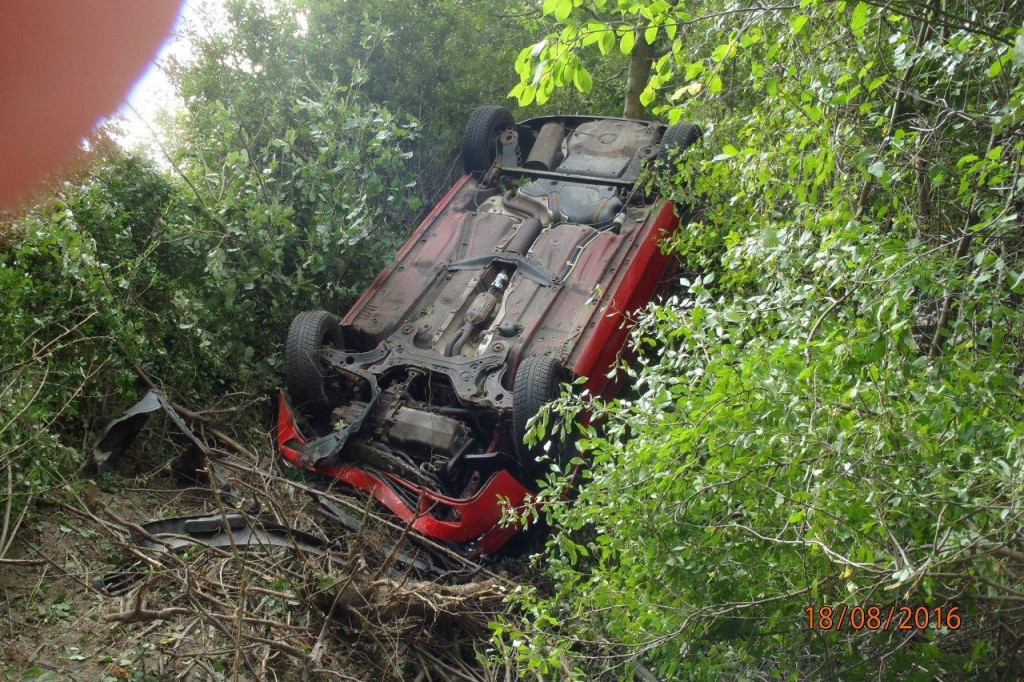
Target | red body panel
(637,285)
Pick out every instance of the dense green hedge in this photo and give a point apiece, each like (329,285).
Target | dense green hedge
(130,270)
(831,413)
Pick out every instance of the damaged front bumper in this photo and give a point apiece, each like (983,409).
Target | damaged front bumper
(474,522)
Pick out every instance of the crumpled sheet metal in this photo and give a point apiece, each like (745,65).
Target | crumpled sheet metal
(121,432)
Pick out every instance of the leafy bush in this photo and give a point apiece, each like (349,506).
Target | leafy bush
(829,415)
(131,271)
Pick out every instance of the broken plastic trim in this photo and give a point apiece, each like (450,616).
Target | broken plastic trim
(121,433)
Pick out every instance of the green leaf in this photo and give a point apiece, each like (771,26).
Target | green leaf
(549,6)
(721,52)
(593,31)
(651,34)
(606,42)
(813,112)
(628,39)
(966,159)
(797,22)
(877,169)
(582,79)
(563,8)
(1015,287)
(859,19)
(715,86)
(544,90)
(560,71)
(526,95)
(523,62)
(663,66)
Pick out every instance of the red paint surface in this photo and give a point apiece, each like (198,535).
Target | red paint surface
(634,288)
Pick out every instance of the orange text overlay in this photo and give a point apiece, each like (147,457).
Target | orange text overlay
(893,617)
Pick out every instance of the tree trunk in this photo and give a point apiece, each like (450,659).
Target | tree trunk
(640,60)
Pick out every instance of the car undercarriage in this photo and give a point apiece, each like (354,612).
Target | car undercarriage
(522,277)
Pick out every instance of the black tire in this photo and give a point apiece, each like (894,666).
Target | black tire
(537,383)
(480,142)
(679,137)
(304,371)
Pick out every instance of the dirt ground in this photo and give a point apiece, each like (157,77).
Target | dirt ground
(249,613)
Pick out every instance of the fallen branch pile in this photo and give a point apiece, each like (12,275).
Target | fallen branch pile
(270,613)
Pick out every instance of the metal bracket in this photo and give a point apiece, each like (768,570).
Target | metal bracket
(474,378)
(528,268)
(517,171)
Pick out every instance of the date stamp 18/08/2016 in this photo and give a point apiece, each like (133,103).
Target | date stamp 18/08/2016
(882,618)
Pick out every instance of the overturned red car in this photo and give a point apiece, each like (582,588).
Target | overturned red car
(522,277)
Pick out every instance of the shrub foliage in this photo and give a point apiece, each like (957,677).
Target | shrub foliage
(829,412)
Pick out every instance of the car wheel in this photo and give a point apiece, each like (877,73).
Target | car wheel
(304,370)
(537,383)
(480,142)
(679,137)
